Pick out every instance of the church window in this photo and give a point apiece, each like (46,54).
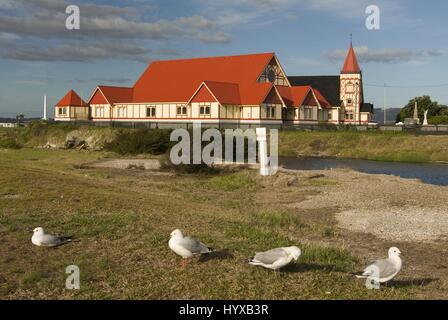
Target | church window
(349,88)
(273,73)
(270,111)
(181,110)
(99,112)
(122,112)
(308,113)
(151,112)
(204,110)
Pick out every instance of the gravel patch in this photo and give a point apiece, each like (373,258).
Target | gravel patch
(388,207)
(404,224)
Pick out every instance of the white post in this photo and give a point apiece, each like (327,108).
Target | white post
(45,108)
(263,151)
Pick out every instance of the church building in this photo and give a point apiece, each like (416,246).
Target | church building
(229,91)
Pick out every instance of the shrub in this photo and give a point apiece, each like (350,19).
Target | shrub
(139,141)
(187,168)
(438,119)
(9,143)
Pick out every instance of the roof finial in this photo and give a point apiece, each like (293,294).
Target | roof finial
(351,39)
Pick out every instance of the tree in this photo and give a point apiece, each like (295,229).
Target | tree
(423,103)
(19,119)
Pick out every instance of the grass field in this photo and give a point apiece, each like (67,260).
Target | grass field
(123,219)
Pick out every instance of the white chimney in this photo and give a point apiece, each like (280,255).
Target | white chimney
(45,108)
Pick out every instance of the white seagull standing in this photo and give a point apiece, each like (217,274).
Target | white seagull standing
(384,270)
(42,239)
(186,247)
(276,258)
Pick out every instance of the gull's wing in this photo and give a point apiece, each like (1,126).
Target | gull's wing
(193,245)
(270,256)
(385,268)
(52,240)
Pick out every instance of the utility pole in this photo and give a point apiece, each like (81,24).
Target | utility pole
(385,106)
(355,104)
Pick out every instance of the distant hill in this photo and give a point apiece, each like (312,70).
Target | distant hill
(9,120)
(391,115)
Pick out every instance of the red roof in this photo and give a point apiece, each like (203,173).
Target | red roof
(302,95)
(177,80)
(322,101)
(98,98)
(117,94)
(227,80)
(71,99)
(224,93)
(294,96)
(351,62)
(203,95)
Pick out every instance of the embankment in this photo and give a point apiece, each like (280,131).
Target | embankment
(379,146)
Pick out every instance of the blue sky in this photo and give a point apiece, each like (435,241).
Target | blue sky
(117,39)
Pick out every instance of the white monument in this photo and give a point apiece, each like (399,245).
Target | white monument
(425,121)
(416,118)
(45,109)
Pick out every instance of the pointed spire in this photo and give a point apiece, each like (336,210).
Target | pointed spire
(351,62)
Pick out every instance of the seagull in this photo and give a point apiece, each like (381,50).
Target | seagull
(42,239)
(186,247)
(384,270)
(276,258)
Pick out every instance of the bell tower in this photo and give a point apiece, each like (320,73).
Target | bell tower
(351,88)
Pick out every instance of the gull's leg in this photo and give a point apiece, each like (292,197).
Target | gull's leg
(183,263)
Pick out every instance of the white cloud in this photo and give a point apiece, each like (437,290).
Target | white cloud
(41,23)
(73,51)
(234,13)
(385,55)
(8,36)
